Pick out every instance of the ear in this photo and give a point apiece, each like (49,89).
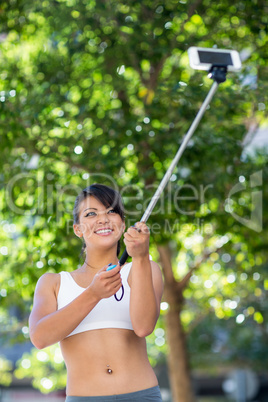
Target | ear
(77,230)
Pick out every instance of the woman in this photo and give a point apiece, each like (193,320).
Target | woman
(102,339)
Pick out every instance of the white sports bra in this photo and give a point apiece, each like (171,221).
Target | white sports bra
(108,313)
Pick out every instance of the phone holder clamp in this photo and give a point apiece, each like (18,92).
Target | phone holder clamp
(218,73)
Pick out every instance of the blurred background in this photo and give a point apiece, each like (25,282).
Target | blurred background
(102,91)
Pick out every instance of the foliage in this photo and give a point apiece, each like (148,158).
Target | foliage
(5,371)
(46,366)
(94,91)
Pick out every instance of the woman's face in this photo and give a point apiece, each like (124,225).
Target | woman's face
(98,225)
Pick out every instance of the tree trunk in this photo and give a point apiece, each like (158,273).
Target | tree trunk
(177,358)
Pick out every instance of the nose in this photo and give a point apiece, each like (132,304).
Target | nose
(103,217)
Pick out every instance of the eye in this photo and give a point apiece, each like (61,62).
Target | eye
(111,211)
(91,213)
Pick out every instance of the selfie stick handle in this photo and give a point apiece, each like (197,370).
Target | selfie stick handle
(175,161)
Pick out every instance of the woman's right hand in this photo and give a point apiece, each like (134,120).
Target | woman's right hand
(48,324)
(106,283)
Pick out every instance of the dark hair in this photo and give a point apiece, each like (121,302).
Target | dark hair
(107,196)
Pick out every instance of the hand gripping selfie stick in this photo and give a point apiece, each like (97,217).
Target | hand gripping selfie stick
(218,73)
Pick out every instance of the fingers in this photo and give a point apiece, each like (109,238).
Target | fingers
(135,231)
(107,283)
(110,267)
(136,228)
(114,284)
(103,269)
(113,275)
(114,278)
(142,227)
(113,269)
(137,240)
(117,285)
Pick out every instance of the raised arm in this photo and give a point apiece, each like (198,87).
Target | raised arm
(145,281)
(49,325)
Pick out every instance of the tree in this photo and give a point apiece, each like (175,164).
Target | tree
(103,90)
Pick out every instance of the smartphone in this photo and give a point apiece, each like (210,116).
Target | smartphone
(202,58)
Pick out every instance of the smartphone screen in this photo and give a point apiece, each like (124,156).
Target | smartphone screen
(215,58)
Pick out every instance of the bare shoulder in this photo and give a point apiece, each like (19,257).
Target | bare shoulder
(46,291)
(48,278)
(48,281)
(45,297)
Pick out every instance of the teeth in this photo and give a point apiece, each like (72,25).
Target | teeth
(104,231)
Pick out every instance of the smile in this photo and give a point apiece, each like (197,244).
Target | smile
(103,231)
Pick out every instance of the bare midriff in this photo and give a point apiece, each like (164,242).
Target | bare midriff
(106,362)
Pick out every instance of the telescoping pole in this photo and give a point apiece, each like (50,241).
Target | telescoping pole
(175,161)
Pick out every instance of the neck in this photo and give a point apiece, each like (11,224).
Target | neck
(97,260)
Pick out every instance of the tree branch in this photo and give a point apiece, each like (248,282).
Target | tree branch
(181,285)
(165,260)
(197,321)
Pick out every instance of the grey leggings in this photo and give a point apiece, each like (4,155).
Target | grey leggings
(147,395)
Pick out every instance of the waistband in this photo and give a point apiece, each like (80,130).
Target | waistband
(147,395)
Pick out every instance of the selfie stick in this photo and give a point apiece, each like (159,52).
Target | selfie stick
(218,74)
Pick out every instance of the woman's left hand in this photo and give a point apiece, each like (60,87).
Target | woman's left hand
(137,239)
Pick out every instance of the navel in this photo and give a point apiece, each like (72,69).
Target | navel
(109,370)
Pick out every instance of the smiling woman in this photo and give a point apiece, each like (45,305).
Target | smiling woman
(97,200)
(102,339)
